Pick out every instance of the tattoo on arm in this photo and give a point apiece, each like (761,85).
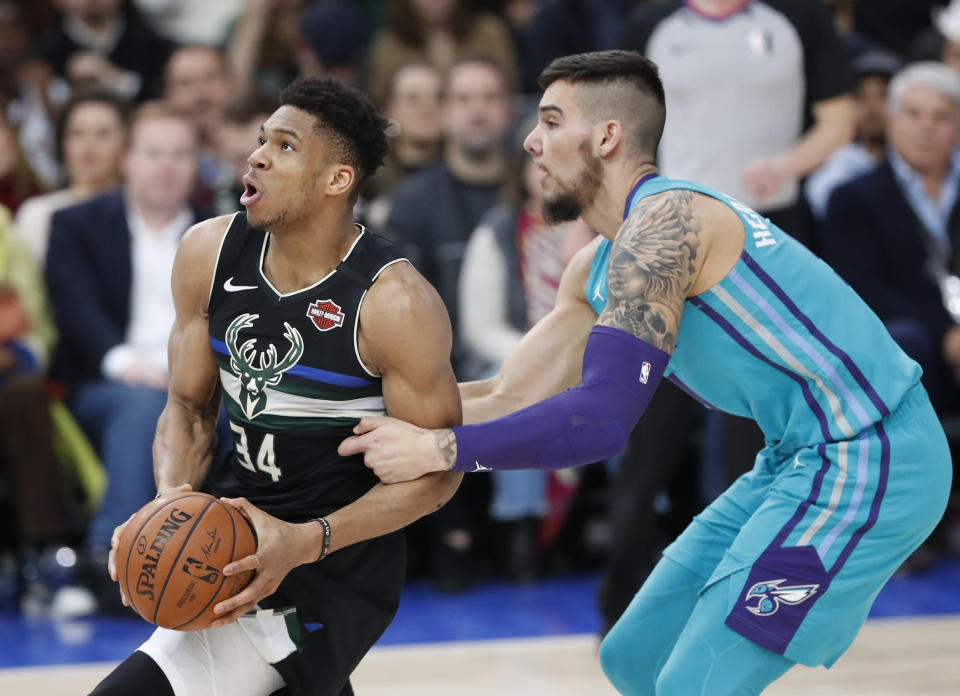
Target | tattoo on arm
(652,266)
(447,443)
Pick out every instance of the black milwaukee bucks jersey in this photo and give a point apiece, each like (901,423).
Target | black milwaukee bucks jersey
(293,381)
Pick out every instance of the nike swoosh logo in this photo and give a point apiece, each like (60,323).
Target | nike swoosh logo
(230,287)
(480,467)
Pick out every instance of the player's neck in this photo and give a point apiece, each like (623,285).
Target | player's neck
(606,214)
(304,251)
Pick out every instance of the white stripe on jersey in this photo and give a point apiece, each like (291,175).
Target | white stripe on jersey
(293,406)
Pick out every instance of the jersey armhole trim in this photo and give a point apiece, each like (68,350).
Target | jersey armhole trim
(356,321)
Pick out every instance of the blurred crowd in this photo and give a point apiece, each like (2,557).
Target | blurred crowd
(123,122)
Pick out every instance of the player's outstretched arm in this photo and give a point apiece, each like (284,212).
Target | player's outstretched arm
(547,359)
(186,432)
(654,261)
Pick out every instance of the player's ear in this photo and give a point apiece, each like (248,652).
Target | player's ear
(607,136)
(340,179)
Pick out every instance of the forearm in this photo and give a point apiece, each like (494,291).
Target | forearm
(384,509)
(482,401)
(184,445)
(582,425)
(826,135)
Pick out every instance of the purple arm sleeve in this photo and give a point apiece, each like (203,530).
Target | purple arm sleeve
(585,424)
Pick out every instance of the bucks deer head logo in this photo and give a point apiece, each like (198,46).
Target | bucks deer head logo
(259,369)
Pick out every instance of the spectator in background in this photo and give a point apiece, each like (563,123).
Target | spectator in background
(414,106)
(31,91)
(196,82)
(442,32)
(435,211)
(432,216)
(108,273)
(334,38)
(873,70)
(207,22)
(893,233)
(91,138)
(27,460)
(17,180)
(240,122)
(508,282)
(97,46)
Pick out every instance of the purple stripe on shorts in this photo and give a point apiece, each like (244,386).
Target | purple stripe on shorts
(688,390)
(740,339)
(828,344)
(805,505)
(874,507)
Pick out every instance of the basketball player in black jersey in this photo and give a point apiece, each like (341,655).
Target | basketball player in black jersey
(302,322)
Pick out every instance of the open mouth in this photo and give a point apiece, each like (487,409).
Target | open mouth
(250,194)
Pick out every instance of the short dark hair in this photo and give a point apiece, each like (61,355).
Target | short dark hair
(89,96)
(347,117)
(617,67)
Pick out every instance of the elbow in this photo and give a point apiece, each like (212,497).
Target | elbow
(442,486)
(449,483)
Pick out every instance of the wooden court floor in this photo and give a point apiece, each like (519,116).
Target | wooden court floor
(891,657)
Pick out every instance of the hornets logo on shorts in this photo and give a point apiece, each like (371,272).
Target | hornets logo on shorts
(769,594)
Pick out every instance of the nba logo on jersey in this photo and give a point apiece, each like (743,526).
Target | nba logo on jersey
(325,314)
(644,372)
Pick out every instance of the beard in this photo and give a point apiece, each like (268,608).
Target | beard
(266,222)
(574,198)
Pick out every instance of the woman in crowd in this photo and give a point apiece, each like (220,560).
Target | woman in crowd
(91,138)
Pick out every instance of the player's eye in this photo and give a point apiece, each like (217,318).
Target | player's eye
(261,140)
(286,146)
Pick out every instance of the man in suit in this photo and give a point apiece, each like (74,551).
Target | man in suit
(893,232)
(108,272)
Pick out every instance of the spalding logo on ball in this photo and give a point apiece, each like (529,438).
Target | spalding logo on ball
(171,554)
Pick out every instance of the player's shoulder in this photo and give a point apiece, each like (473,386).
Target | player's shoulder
(402,301)
(203,239)
(401,294)
(197,255)
(402,315)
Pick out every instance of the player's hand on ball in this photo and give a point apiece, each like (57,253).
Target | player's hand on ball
(281,547)
(396,450)
(115,537)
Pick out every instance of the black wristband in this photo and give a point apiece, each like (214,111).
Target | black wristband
(326,537)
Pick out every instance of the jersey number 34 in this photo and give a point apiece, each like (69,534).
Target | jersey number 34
(266,460)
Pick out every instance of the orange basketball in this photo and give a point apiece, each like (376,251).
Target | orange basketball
(171,555)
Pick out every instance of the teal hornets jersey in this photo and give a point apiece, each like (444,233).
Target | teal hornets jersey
(782,339)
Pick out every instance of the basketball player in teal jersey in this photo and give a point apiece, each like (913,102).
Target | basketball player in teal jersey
(305,322)
(688,283)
